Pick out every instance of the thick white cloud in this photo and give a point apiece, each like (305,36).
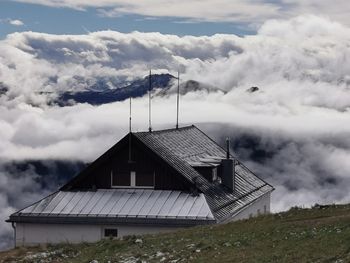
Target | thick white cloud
(336,9)
(299,116)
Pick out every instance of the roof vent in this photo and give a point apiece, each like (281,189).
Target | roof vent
(149,102)
(228,173)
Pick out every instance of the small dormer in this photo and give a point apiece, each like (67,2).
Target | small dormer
(217,168)
(208,166)
(208,172)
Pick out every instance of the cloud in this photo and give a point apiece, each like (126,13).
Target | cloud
(16,22)
(238,11)
(248,12)
(23,183)
(13,22)
(10,187)
(293,131)
(222,10)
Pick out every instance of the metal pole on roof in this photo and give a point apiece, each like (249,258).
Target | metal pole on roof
(149,102)
(130,115)
(178,99)
(130,130)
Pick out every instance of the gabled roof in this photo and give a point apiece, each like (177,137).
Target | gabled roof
(119,206)
(184,146)
(182,149)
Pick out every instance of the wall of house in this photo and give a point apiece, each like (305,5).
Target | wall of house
(259,207)
(144,162)
(35,234)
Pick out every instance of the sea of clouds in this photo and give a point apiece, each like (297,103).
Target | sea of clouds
(294,131)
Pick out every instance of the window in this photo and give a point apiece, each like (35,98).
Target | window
(132,180)
(111,232)
(121,179)
(145,179)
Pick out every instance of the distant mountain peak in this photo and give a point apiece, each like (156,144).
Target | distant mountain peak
(103,93)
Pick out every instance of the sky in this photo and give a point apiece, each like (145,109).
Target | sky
(192,17)
(294,131)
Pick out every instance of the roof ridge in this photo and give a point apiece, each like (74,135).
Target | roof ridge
(169,129)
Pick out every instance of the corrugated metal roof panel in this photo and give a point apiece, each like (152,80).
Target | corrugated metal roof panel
(106,210)
(119,203)
(199,202)
(65,199)
(135,211)
(185,209)
(70,205)
(187,147)
(53,203)
(178,204)
(38,206)
(91,202)
(158,204)
(147,207)
(101,203)
(82,202)
(131,202)
(168,204)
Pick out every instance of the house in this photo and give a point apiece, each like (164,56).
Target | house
(148,182)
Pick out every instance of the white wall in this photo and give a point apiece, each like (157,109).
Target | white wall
(259,207)
(35,234)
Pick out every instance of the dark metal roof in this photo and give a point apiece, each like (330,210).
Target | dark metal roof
(182,149)
(117,205)
(184,146)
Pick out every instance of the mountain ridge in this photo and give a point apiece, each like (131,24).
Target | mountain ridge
(101,93)
(97,95)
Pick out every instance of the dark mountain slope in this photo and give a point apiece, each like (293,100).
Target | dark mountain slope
(102,94)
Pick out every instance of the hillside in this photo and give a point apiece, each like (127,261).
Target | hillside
(320,234)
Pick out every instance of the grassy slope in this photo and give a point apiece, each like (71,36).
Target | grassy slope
(299,235)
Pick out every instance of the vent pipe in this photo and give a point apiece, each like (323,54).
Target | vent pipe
(149,102)
(130,131)
(228,171)
(130,115)
(178,99)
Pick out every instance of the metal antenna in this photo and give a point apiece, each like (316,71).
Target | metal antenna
(149,102)
(130,131)
(178,99)
(130,115)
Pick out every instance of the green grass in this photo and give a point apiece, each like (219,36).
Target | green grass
(299,235)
